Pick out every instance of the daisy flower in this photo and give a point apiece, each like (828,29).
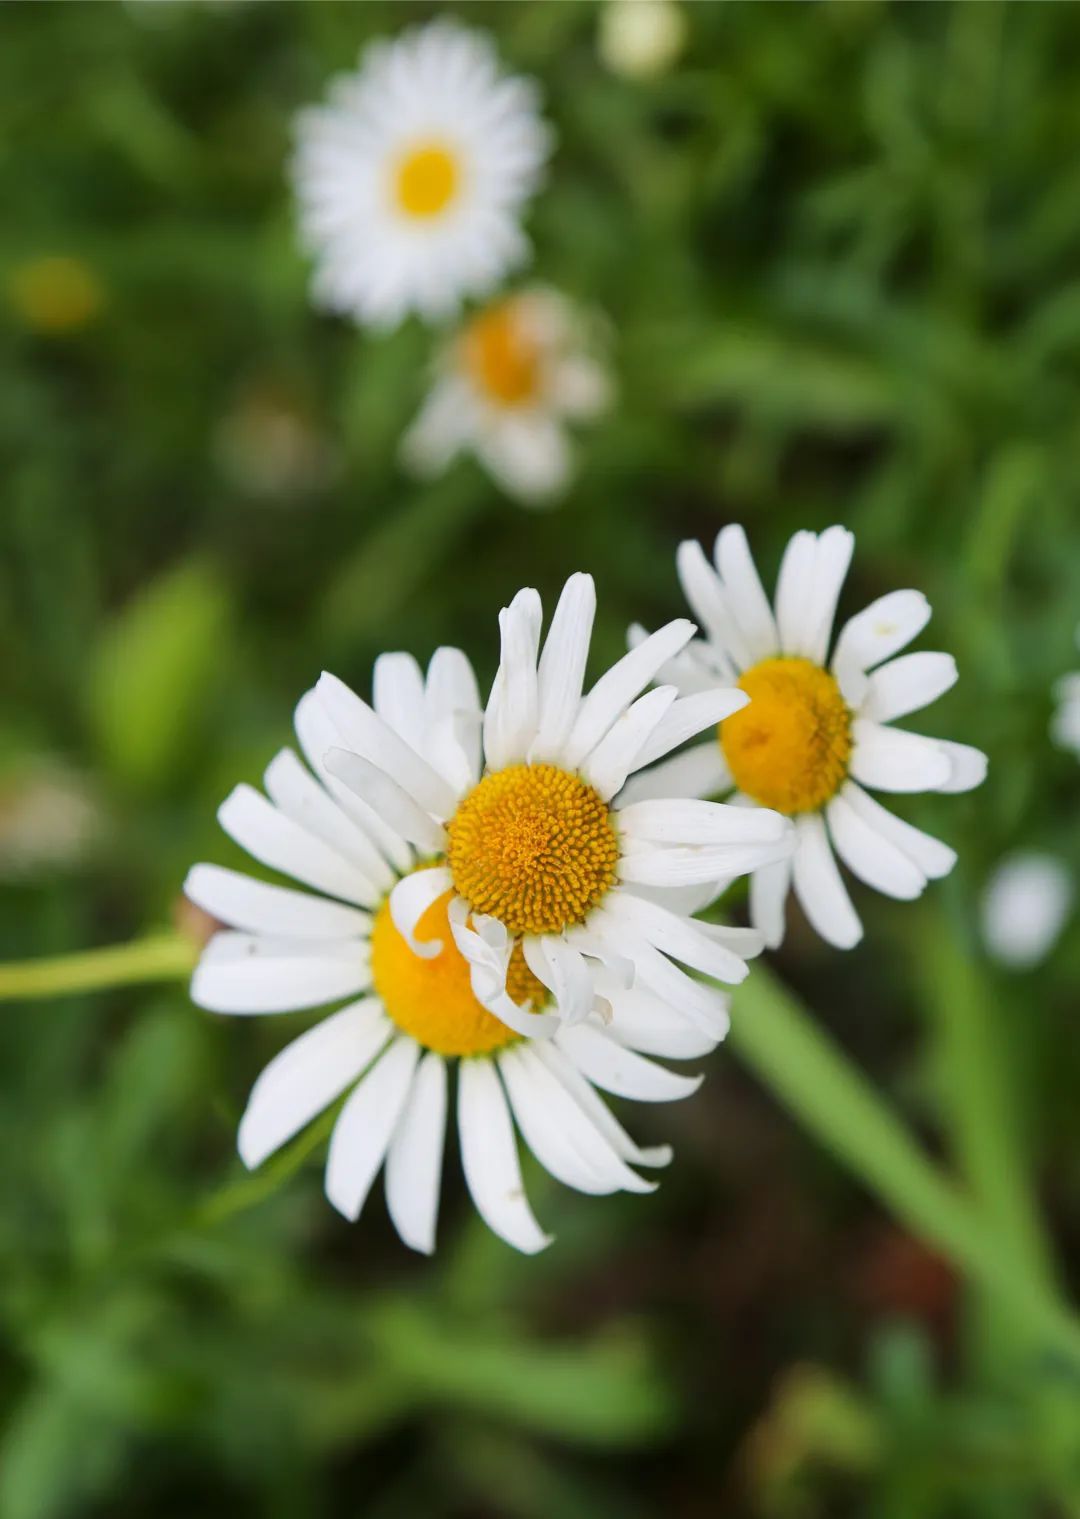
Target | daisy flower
(505,387)
(412,178)
(384,931)
(1065,729)
(818,728)
(1025,906)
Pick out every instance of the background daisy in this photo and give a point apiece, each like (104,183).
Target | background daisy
(1025,906)
(506,387)
(818,728)
(1065,728)
(412,179)
(411,1011)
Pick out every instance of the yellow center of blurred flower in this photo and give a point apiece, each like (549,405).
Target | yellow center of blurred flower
(533,846)
(432,1000)
(55,294)
(428,178)
(501,357)
(789,748)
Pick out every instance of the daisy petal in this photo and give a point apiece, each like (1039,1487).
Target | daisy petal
(891,759)
(563,970)
(410,900)
(968,766)
(364,732)
(398,697)
(562,666)
(607,767)
(641,1021)
(691,822)
(769,887)
(242,902)
(363,1132)
(275,840)
(566,1072)
(621,1071)
(374,786)
(870,856)
(822,894)
(239,973)
(510,719)
(616,689)
(681,938)
(879,631)
(795,592)
(689,717)
(932,857)
(414,1159)
(907,684)
(708,602)
(831,563)
(745,593)
(489,1158)
(698,772)
(295,792)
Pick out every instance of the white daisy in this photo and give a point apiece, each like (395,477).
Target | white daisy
(505,387)
(1065,729)
(818,728)
(521,819)
(1024,908)
(412,178)
(410,1010)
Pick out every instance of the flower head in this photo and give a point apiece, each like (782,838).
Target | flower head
(1065,728)
(506,386)
(412,178)
(1025,906)
(428,983)
(818,727)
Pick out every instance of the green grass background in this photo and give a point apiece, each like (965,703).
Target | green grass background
(839,247)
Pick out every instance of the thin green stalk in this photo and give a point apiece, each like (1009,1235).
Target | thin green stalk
(161,957)
(797,1060)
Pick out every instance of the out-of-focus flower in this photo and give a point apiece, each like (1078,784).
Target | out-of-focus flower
(413,177)
(817,729)
(498,920)
(641,38)
(50,820)
(1025,906)
(55,294)
(1065,729)
(506,387)
(268,446)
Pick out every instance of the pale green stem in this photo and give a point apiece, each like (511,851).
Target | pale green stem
(795,1058)
(161,957)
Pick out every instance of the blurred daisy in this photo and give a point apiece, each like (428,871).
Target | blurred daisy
(640,38)
(384,931)
(1024,908)
(411,180)
(506,386)
(1065,729)
(818,729)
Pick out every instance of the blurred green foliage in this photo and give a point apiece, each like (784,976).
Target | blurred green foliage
(839,246)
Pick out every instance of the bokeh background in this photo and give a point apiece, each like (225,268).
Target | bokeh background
(839,248)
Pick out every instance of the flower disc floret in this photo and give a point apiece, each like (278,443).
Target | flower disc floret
(789,748)
(533,846)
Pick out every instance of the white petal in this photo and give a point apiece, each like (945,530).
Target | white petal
(616,689)
(795,591)
(308,1075)
(692,822)
(275,840)
(562,1067)
(687,718)
(832,558)
(819,887)
(510,719)
(680,937)
(745,593)
(398,697)
(907,684)
(563,970)
(451,692)
(643,864)
(870,856)
(621,1071)
(410,900)
(489,1158)
(932,857)
(529,455)
(487,947)
(699,772)
(1025,907)
(414,1160)
(891,759)
(967,766)
(607,767)
(769,887)
(705,594)
(563,1138)
(704,1005)
(641,1021)
(879,631)
(380,791)
(562,666)
(362,1133)
(295,792)
(242,974)
(242,902)
(365,733)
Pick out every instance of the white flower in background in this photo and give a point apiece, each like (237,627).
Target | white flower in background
(506,387)
(1065,729)
(640,38)
(818,729)
(388,935)
(1024,908)
(412,179)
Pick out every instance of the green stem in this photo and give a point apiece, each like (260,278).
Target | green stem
(161,957)
(796,1059)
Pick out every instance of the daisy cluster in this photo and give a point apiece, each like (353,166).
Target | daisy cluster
(505,891)
(412,180)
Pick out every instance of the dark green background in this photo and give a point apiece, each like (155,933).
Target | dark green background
(839,246)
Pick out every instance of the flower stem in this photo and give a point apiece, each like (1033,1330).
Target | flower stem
(160,957)
(790,1052)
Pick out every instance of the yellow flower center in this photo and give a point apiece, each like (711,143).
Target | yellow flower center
(501,357)
(534,846)
(428,178)
(789,748)
(432,1000)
